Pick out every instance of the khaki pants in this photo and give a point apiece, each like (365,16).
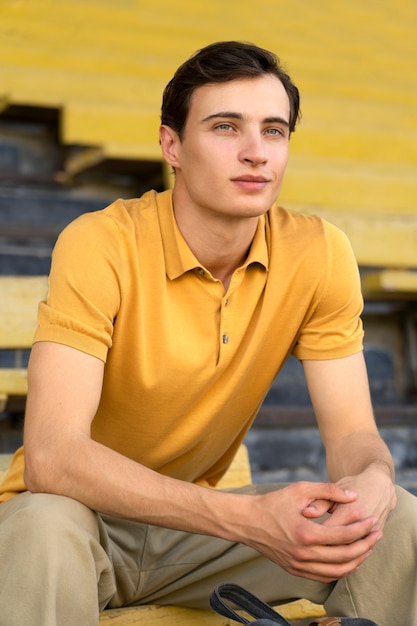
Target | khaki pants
(60,563)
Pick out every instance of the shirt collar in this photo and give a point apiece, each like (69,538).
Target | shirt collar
(179,259)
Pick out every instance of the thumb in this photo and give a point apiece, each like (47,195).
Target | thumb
(317,508)
(321,505)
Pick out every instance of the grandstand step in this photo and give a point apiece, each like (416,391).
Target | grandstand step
(125,60)
(291,454)
(378,239)
(345,184)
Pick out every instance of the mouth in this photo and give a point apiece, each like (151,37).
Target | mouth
(251,182)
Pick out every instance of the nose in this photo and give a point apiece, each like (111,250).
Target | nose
(253,148)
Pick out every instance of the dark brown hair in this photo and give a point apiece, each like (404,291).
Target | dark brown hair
(219,63)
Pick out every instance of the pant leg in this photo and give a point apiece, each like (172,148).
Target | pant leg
(384,588)
(183,568)
(51,563)
(51,556)
(180,568)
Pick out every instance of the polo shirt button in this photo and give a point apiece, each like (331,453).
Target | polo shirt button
(225,338)
(201,271)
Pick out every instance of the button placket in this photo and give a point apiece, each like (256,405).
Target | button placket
(224,321)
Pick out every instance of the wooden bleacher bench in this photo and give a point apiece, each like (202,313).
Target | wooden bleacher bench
(18,313)
(389,284)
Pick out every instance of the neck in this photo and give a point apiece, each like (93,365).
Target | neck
(224,264)
(220,244)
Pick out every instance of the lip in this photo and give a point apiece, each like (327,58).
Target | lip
(248,178)
(254,183)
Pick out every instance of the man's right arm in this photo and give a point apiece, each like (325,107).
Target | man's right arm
(64,388)
(61,458)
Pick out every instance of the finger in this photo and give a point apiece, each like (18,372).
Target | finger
(309,493)
(332,562)
(330,492)
(337,554)
(338,535)
(318,508)
(327,572)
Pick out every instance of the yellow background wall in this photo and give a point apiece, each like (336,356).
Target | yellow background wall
(104,64)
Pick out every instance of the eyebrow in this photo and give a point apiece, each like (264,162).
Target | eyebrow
(238,116)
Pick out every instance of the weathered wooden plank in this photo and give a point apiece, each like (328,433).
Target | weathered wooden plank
(13,382)
(239,473)
(390,284)
(274,416)
(153,615)
(18,309)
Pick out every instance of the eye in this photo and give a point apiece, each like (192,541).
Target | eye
(224,126)
(280,132)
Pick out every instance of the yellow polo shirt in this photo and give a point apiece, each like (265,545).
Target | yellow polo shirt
(188,365)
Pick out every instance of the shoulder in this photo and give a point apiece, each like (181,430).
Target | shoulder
(119,222)
(305,233)
(286,222)
(121,213)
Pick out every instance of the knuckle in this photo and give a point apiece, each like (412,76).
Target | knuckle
(298,554)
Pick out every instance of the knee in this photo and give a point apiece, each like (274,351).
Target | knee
(49,516)
(406,503)
(403,520)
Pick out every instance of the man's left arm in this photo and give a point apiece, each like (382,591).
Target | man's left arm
(356,455)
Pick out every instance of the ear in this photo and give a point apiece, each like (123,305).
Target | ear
(170,143)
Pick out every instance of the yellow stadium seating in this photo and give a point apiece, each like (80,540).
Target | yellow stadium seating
(103,65)
(354,158)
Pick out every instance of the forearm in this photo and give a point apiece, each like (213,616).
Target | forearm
(339,390)
(61,458)
(110,483)
(356,453)
(133,492)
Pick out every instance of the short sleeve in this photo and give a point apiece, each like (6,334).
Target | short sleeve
(334,327)
(84,286)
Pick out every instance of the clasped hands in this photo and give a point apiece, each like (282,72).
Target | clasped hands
(322,531)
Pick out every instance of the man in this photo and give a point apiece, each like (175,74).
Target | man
(168,317)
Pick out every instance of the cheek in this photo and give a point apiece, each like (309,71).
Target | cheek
(280,158)
(279,167)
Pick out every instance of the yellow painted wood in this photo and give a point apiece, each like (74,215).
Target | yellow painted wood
(239,473)
(132,130)
(13,381)
(356,147)
(19,298)
(161,616)
(378,240)
(4,103)
(84,159)
(178,616)
(3,401)
(390,283)
(301,609)
(330,184)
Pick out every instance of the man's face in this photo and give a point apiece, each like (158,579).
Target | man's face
(234,151)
